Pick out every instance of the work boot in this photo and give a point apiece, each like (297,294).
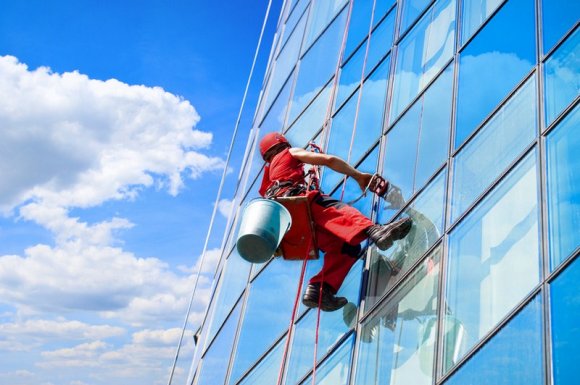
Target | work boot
(329,302)
(384,235)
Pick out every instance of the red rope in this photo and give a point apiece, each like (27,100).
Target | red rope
(290,328)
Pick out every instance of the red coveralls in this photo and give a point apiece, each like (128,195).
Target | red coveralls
(339,228)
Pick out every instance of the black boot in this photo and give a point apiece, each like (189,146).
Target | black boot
(329,301)
(384,235)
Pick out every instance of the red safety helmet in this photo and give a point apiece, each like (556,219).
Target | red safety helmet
(270,140)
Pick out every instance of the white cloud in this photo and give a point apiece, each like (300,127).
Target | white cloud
(225,207)
(58,329)
(73,141)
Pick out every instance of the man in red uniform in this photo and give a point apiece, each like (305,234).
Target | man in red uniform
(339,228)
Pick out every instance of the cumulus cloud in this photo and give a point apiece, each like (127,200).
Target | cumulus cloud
(225,207)
(74,141)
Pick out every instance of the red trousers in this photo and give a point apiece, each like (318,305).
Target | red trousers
(339,231)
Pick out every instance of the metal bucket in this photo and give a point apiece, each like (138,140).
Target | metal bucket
(264,223)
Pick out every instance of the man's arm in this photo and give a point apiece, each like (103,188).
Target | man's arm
(333,162)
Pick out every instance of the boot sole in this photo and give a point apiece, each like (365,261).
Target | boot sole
(395,233)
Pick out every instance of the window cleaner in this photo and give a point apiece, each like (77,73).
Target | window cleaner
(337,228)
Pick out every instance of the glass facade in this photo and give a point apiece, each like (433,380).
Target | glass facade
(470,108)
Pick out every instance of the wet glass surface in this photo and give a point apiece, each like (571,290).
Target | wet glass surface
(493,64)
(563,170)
(499,237)
(397,343)
(494,148)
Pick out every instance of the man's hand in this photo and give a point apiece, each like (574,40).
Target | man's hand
(363,179)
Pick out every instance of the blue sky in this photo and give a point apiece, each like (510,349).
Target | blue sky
(112,145)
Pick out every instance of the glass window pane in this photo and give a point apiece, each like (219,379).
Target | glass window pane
(493,258)
(381,41)
(317,66)
(214,365)
(293,19)
(388,266)
(371,111)
(475,12)
(493,63)
(276,116)
(339,141)
(321,13)
(494,148)
(562,77)
(558,16)
(285,62)
(267,371)
(397,344)
(310,121)
(410,11)
(234,279)
(514,356)
(267,312)
(565,303)
(335,370)
(435,126)
(563,169)
(333,325)
(360,20)
(423,53)
(350,76)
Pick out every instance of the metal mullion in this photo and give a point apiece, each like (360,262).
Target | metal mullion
(284,43)
(292,124)
(562,116)
(301,56)
(386,296)
(493,112)
(492,333)
(563,265)
(561,41)
(390,126)
(461,47)
(442,303)
(499,179)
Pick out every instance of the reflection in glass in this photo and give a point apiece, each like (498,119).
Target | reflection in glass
(339,141)
(558,16)
(318,65)
(418,144)
(514,356)
(213,370)
(321,13)
(381,41)
(293,19)
(475,12)
(410,11)
(333,325)
(352,190)
(398,342)
(563,169)
(562,77)
(267,312)
(285,62)
(565,303)
(493,63)
(358,28)
(388,266)
(350,76)
(497,145)
(267,371)
(423,53)
(493,259)
(308,124)
(370,112)
(335,370)
(234,278)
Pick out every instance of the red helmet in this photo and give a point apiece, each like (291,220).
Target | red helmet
(270,140)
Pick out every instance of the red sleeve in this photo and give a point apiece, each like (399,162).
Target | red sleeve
(265,181)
